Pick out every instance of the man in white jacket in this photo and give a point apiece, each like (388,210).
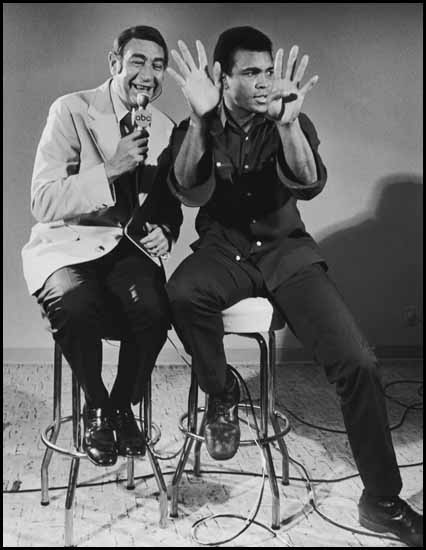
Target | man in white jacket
(105,218)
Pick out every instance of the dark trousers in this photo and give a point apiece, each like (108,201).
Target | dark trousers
(121,294)
(208,282)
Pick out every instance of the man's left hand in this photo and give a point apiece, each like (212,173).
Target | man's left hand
(287,96)
(156,242)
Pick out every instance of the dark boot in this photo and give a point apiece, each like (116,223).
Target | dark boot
(130,440)
(222,430)
(98,441)
(391,515)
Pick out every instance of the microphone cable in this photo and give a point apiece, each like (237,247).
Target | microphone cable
(251,519)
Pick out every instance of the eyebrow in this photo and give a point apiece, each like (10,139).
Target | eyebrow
(144,57)
(256,69)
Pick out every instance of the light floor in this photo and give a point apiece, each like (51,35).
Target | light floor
(108,515)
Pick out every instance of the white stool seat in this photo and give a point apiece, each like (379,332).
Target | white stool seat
(251,315)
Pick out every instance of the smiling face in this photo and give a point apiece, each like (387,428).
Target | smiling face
(140,69)
(247,87)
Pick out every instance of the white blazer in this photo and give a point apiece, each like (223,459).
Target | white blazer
(70,193)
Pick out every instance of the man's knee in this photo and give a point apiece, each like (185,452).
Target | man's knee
(183,294)
(152,311)
(76,307)
(357,369)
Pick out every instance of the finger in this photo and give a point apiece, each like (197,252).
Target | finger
(301,70)
(138,137)
(140,157)
(176,76)
(309,85)
(186,54)
(202,56)
(287,98)
(148,241)
(183,67)
(217,74)
(278,64)
(153,238)
(292,58)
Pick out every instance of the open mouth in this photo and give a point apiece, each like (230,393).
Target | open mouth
(142,89)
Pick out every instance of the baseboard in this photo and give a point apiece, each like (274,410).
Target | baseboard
(169,356)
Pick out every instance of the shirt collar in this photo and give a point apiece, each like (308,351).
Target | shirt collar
(222,117)
(119,108)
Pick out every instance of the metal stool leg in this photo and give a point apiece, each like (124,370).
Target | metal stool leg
(69,512)
(57,391)
(199,442)
(147,427)
(130,473)
(272,415)
(192,426)
(75,463)
(265,389)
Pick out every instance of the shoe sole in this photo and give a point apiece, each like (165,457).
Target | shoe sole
(93,461)
(372,526)
(378,528)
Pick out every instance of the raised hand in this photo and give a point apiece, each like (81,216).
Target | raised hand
(202,91)
(287,96)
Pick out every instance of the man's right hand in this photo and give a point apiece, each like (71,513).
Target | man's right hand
(202,92)
(131,151)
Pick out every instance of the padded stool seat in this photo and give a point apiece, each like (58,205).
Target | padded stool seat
(251,315)
(250,318)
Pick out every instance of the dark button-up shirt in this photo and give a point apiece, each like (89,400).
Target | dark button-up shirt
(248,195)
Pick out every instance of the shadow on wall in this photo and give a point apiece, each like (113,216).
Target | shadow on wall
(376,262)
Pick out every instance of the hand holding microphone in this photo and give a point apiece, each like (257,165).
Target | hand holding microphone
(133,148)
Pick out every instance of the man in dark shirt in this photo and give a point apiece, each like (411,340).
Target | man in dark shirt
(245,156)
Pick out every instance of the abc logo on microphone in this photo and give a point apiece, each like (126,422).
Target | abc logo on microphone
(143,119)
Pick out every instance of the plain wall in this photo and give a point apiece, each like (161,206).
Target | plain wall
(366,107)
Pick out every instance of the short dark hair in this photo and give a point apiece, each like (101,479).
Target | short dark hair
(143,32)
(239,38)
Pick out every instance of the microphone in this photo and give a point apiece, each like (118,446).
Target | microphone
(140,116)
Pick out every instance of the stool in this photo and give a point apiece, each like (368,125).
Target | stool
(50,435)
(251,318)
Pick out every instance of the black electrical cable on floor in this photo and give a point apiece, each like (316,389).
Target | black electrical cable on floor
(252,519)
(312,502)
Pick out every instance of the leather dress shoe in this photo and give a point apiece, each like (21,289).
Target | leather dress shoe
(222,429)
(391,515)
(130,440)
(98,440)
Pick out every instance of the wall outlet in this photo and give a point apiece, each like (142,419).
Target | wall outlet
(411,316)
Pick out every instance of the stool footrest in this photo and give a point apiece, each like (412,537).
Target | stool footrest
(74,453)
(283,431)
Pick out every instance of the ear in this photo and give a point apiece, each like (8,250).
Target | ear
(225,81)
(114,62)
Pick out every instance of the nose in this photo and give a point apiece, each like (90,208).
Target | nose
(146,74)
(262,81)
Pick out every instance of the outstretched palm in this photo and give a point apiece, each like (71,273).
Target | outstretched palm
(286,96)
(202,92)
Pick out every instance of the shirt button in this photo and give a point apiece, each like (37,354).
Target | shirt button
(100,248)
(238,258)
(248,194)
(246,166)
(218,164)
(259,243)
(253,221)
(246,138)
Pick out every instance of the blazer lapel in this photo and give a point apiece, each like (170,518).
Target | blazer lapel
(102,122)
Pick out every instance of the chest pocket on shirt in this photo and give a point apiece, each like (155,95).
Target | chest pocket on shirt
(223,166)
